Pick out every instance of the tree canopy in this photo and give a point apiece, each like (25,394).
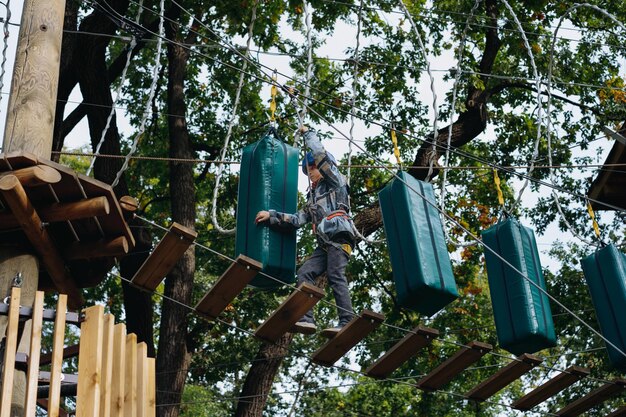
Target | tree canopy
(525,99)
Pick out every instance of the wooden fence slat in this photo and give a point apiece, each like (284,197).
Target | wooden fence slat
(107,366)
(119,370)
(9,353)
(456,364)
(130,379)
(58,339)
(34,353)
(151,387)
(142,379)
(90,362)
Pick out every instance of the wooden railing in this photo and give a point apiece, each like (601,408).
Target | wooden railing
(115,375)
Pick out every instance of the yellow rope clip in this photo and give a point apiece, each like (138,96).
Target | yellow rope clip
(274,93)
(396,150)
(596,228)
(496,180)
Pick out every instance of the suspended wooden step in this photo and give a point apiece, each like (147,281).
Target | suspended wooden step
(551,388)
(289,312)
(351,334)
(594,398)
(620,412)
(504,377)
(163,258)
(402,351)
(228,286)
(461,360)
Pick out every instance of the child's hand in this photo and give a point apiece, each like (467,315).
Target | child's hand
(262,216)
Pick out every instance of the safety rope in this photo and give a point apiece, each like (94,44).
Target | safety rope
(229,132)
(147,111)
(355,88)
(5,46)
(302,112)
(118,91)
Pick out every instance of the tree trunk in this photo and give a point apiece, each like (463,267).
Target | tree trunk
(173,353)
(260,378)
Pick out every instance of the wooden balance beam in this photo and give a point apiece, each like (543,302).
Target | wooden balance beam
(551,388)
(402,351)
(456,364)
(289,312)
(228,286)
(163,258)
(523,364)
(351,334)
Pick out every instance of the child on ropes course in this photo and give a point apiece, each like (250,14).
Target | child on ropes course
(327,209)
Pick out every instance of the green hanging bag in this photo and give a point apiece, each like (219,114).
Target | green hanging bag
(605,272)
(417,247)
(268,181)
(522,312)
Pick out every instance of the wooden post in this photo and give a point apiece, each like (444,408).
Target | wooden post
(90,362)
(34,353)
(58,340)
(119,370)
(9,353)
(30,114)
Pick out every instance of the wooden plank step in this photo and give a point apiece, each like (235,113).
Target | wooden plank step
(289,312)
(551,388)
(228,286)
(402,351)
(351,334)
(592,399)
(503,377)
(620,412)
(460,361)
(163,258)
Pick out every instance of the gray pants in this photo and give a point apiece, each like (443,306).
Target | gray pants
(333,261)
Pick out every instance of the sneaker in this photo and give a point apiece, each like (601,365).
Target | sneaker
(304,327)
(331,331)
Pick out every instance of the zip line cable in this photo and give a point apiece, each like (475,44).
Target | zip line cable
(455,150)
(118,92)
(152,91)
(229,131)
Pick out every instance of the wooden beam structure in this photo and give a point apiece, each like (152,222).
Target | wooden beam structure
(103,248)
(35,175)
(228,286)
(9,352)
(351,334)
(289,312)
(58,340)
(592,399)
(550,388)
(30,222)
(456,364)
(402,351)
(163,258)
(34,356)
(503,377)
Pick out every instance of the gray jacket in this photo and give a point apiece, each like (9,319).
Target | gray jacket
(328,197)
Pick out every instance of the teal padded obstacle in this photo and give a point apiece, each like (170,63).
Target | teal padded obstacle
(268,181)
(605,272)
(417,247)
(522,312)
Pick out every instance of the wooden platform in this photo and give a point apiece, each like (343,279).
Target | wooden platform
(402,351)
(74,210)
(592,399)
(228,286)
(503,377)
(456,364)
(551,388)
(163,258)
(289,312)
(351,334)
